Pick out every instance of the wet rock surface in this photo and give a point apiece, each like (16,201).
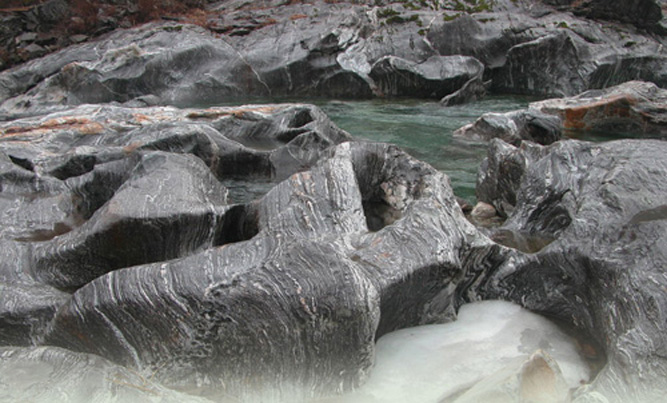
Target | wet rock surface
(514,127)
(300,302)
(98,188)
(135,252)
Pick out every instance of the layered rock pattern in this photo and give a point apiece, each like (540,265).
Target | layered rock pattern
(282,296)
(300,303)
(98,188)
(593,216)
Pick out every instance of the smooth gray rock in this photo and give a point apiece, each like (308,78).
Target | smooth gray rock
(436,77)
(26,306)
(602,270)
(170,206)
(97,188)
(51,374)
(514,127)
(367,241)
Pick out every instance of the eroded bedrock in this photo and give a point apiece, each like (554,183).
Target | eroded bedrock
(634,108)
(98,188)
(591,219)
(367,241)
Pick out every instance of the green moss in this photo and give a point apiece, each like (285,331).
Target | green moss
(412,6)
(562,24)
(387,13)
(422,32)
(448,18)
(396,19)
(472,6)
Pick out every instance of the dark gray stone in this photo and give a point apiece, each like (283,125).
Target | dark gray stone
(436,77)
(367,241)
(602,270)
(26,306)
(329,50)
(97,188)
(170,206)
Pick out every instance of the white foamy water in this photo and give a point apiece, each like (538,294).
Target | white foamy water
(484,347)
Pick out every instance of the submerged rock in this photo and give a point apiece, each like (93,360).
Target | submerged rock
(494,349)
(603,271)
(51,374)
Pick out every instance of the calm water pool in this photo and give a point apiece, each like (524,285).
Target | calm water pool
(424,130)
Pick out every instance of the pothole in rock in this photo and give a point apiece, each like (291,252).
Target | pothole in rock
(379,214)
(240,223)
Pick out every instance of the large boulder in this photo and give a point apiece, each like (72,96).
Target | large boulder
(642,13)
(170,206)
(436,77)
(514,127)
(631,107)
(593,216)
(534,49)
(303,49)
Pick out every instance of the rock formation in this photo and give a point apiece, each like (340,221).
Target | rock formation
(341,50)
(634,108)
(592,217)
(97,188)
(125,240)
